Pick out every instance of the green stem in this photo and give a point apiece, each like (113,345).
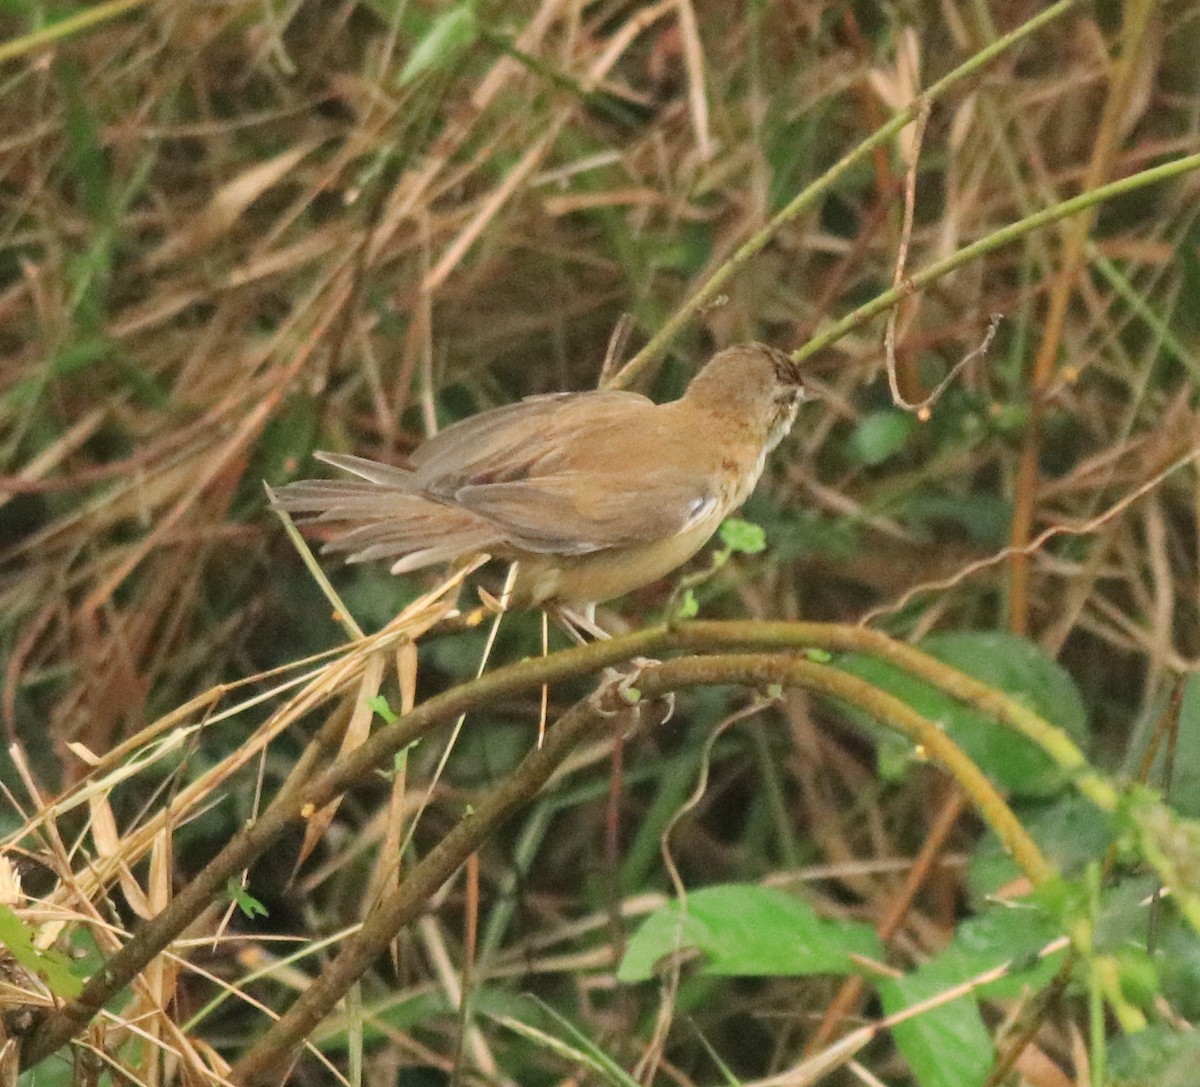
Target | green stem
(1166,840)
(993,241)
(279,1046)
(840,637)
(808,196)
(66,28)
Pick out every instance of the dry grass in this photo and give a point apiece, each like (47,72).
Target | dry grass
(234,233)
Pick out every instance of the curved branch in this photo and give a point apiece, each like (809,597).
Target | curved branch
(309,784)
(269,1060)
(305,787)
(1054,741)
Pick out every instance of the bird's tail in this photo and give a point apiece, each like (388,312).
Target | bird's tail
(379,517)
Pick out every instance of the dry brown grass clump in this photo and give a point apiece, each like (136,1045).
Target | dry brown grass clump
(235,233)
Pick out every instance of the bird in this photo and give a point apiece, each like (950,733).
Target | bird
(591,494)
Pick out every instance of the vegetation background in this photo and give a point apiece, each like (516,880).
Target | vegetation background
(233,233)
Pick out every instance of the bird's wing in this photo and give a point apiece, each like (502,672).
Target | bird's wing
(513,441)
(568,473)
(559,474)
(496,444)
(562,514)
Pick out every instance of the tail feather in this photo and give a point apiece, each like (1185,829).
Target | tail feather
(375,520)
(330,498)
(431,556)
(384,475)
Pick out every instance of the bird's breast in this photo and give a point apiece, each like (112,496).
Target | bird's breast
(597,576)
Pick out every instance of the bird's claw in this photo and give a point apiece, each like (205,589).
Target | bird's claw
(618,691)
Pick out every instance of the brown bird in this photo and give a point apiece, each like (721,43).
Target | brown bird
(591,493)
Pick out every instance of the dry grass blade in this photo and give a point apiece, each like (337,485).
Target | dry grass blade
(231,235)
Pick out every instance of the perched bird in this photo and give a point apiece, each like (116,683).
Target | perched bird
(591,493)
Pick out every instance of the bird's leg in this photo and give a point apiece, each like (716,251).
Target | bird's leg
(624,683)
(576,624)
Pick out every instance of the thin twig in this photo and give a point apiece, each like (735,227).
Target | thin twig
(809,196)
(1086,528)
(279,1046)
(910,202)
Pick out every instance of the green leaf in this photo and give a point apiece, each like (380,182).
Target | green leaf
(451,33)
(1139,980)
(569,1043)
(1155,1057)
(1179,963)
(81,354)
(1071,831)
(880,435)
(53,967)
(948,1046)
(379,706)
(1185,787)
(688,606)
(986,518)
(1010,933)
(1015,666)
(749,931)
(742,537)
(244,900)
(86,159)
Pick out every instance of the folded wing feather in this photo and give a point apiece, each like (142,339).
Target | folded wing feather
(482,484)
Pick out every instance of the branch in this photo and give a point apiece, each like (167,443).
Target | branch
(306,787)
(809,196)
(271,1058)
(320,776)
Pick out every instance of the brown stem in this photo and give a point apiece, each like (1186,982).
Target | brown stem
(1031,1021)
(303,789)
(1137,19)
(851,990)
(153,936)
(809,196)
(268,1061)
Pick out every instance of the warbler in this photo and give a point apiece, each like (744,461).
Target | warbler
(592,494)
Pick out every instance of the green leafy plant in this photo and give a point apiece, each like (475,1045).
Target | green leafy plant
(250,906)
(52,966)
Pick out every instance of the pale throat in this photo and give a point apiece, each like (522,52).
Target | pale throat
(782,424)
(778,431)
